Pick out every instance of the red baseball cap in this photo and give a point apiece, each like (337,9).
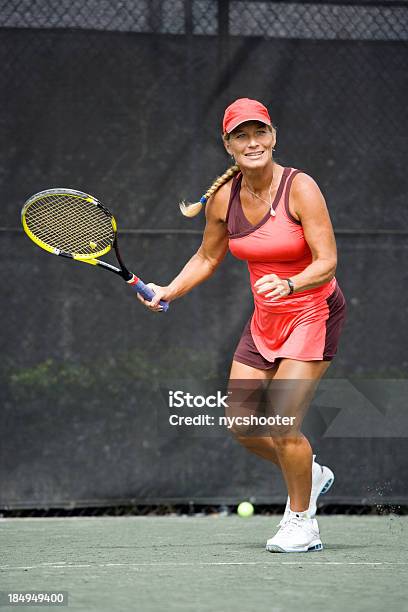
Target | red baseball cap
(244,109)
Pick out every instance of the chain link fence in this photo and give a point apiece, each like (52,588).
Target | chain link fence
(309,20)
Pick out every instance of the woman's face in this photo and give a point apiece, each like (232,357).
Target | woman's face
(251,144)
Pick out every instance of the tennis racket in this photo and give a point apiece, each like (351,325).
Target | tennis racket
(76,225)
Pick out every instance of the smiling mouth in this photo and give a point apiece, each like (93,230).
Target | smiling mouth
(254,155)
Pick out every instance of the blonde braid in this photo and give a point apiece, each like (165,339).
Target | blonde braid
(192,209)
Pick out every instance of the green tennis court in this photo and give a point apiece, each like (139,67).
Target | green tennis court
(206,563)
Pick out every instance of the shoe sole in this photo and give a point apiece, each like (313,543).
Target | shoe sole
(313,547)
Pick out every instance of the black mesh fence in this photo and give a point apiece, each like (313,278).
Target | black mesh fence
(89,73)
(124,100)
(194,509)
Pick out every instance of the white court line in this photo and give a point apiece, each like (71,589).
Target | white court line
(64,565)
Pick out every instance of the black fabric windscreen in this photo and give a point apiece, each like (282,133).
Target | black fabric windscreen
(132,114)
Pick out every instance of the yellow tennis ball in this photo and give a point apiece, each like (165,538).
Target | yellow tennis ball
(245,509)
(93,245)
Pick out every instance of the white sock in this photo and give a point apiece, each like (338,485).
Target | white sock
(303,515)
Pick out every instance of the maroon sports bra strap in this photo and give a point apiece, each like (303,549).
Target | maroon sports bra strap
(287,192)
(236,181)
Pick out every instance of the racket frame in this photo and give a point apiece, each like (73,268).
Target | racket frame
(92,259)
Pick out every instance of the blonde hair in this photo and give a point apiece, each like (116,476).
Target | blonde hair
(192,209)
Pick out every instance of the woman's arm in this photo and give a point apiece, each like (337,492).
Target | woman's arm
(310,207)
(205,261)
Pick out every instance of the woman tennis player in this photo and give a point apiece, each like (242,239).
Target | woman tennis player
(276,219)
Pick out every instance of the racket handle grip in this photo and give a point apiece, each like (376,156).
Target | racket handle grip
(145,291)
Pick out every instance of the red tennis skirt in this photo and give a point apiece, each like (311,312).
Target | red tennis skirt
(311,334)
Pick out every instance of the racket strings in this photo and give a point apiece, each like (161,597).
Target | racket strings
(70,223)
(78,235)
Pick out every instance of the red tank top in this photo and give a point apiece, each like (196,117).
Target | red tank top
(275,245)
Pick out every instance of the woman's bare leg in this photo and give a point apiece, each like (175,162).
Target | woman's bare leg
(289,449)
(294,451)
(240,377)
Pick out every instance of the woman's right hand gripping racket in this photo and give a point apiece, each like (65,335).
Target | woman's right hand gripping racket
(76,225)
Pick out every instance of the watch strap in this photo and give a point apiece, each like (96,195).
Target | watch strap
(291,285)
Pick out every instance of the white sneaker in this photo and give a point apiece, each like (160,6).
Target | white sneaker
(297,534)
(322,480)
